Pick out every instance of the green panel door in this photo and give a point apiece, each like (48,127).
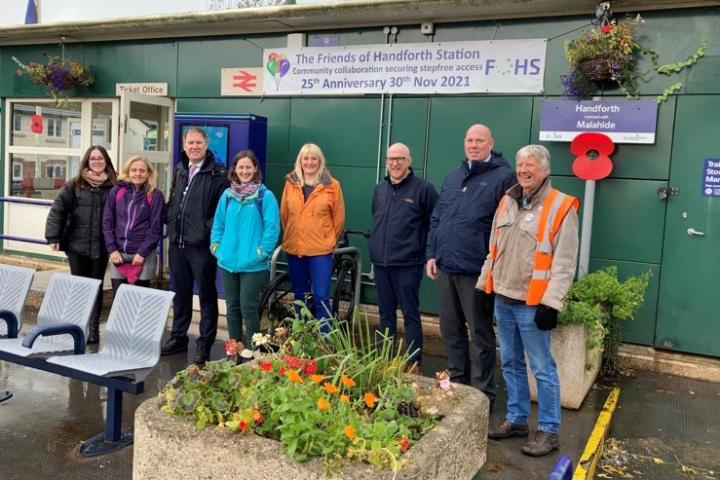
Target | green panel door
(687,312)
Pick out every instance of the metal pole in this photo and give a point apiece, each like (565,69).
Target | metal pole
(585,236)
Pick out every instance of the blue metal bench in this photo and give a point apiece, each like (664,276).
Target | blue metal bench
(14,286)
(131,349)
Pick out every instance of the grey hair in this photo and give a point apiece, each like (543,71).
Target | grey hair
(538,151)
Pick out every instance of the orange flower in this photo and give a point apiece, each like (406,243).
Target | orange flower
(350,432)
(370,399)
(294,376)
(347,381)
(323,404)
(330,388)
(404,444)
(317,378)
(344,399)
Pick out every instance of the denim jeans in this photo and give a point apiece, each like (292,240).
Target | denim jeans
(312,274)
(518,334)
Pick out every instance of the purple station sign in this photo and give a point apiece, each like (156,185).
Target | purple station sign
(624,121)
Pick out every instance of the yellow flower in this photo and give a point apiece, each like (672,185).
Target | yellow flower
(369,399)
(344,399)
(294,376)
(347,381)
(330,388)
(323,404)
(350,432)
(317,378)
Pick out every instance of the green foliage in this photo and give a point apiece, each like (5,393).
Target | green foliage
(600,301)
(331,395)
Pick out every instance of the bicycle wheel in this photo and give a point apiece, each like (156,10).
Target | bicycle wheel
(274,304)
(343,302)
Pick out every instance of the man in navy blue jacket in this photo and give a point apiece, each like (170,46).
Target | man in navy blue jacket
(456,250)
(401,209)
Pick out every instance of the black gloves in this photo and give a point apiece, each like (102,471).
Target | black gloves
(487,303)
(545,317)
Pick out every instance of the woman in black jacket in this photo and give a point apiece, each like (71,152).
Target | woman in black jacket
(74,224)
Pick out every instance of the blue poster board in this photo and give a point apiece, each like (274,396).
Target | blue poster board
(711,178)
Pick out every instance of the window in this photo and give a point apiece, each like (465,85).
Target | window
(54,127)
(55,171)
(17,170)
(17,122)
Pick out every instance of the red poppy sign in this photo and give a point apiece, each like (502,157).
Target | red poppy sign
(36,123)
(592,155)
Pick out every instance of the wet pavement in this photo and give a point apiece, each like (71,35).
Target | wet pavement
(669,418)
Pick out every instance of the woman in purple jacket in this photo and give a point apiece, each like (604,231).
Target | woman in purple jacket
(132,224)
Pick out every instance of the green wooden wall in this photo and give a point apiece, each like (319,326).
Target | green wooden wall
(350,128)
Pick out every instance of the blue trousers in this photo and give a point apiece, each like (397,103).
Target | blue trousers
(312,274)
(398,286)
(518,334)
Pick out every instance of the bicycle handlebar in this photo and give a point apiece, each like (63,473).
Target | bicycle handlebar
(359,233)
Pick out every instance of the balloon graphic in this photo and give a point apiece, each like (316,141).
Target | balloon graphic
(272,67)
(284,67)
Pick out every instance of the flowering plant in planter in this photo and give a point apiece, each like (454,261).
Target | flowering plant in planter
(59,74)
(334,396)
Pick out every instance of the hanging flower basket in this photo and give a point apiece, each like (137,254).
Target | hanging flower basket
(60,75)
(606,54)
(597,69)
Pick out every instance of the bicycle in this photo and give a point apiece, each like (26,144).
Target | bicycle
(275,300)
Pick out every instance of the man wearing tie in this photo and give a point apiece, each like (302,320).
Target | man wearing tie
(198,183)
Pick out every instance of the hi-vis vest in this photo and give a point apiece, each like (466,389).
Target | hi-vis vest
(554,209)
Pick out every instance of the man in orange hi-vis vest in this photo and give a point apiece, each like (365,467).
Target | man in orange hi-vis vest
(530,267)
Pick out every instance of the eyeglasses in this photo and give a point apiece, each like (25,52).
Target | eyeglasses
(396,159)
(97,159)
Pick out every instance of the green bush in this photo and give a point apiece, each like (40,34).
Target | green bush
(600,301)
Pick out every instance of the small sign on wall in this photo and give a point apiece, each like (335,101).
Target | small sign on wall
(711,178)
(624,121)
(153,89)
(242,81)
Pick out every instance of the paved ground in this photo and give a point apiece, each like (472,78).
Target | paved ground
(664,424)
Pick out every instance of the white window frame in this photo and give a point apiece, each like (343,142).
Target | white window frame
(53,127)
(85,137)
(17,126)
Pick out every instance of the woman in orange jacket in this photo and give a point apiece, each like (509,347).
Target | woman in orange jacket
(312,212)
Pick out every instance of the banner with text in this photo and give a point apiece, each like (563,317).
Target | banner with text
(500,66)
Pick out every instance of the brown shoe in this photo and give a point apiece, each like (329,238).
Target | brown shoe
(541,443)
(508,429)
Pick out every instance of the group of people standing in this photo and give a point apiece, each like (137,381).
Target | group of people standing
(499,244)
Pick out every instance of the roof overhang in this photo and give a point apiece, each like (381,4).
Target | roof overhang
(322,16)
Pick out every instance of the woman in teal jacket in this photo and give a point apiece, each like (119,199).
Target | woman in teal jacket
(244,234)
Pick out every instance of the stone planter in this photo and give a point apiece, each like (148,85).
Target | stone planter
(169,447)
(571,356)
